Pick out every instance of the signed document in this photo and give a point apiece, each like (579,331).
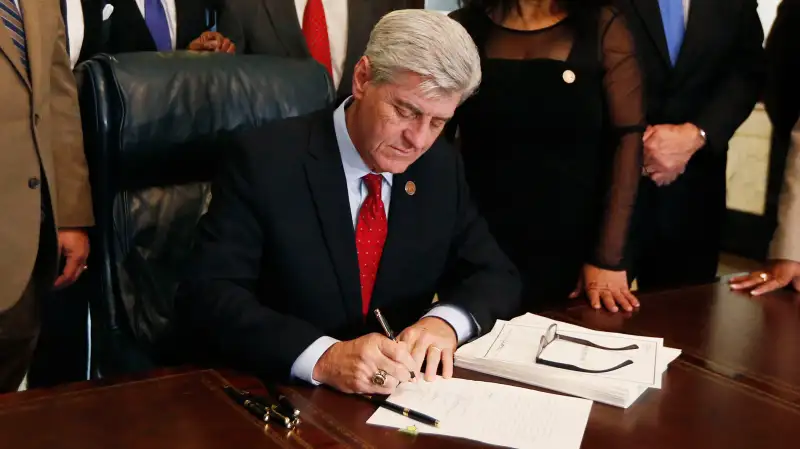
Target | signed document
(490,413)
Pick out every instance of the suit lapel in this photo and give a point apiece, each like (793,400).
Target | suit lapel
(329,192)
(701,14)
(650,13)
(405,221)
(283,15)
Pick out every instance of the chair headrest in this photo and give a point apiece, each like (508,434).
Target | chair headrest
(176,108)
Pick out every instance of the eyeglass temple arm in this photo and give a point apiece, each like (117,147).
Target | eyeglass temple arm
(581,341)
(569,367)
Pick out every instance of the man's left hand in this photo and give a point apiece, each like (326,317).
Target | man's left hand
(213,41)
(74,246)
(667,150)
(434,342)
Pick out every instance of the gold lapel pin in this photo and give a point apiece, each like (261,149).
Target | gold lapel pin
(569,76)
(411,188)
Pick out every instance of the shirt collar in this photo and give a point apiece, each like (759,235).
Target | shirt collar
(354,166)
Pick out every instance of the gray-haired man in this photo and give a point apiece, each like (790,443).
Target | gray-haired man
(349,211)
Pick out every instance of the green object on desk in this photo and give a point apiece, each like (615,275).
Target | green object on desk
(410,430)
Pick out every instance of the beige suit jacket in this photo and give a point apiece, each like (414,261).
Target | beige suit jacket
(40,131)
(786,241)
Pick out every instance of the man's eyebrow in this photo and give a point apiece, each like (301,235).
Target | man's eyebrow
(410,106)
(417,111)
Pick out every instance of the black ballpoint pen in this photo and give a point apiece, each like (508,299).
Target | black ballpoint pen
(389,333)
(413,414)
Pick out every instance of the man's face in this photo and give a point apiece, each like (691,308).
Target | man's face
(394,124)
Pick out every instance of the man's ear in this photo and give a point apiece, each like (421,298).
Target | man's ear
(362,75)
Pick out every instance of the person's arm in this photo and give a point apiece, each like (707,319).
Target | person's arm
(786,241)
(478,279)
(623,88)
(229,23)
(783,267)
(737,92)
(74,202)
(603,278)
(781,94)
(217,306)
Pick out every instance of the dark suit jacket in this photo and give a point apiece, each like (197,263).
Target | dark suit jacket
(271,27)
(275,263)
(714,84)
(127,31)
(719,73)
(782,93)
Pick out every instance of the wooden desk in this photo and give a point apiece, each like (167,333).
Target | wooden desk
(736,387)
(752,341)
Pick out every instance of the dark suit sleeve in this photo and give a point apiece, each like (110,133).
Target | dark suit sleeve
(781,93)
(217,306)
(229,23)
(479,277)
(737,93)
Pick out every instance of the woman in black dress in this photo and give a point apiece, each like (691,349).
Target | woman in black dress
(552,143)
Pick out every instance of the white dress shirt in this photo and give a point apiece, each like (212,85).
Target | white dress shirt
(75,30)
(336,19)
(354,170)
(172,17)
(686,4)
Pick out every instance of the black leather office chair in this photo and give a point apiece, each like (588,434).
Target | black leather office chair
(153,125)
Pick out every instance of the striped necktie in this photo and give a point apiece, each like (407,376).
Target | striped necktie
(12,19)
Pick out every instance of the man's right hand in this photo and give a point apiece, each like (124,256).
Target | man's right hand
(349,366)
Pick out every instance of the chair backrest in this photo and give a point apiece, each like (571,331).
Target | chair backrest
(153,129)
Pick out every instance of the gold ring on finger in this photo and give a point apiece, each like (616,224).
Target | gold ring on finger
(764,277)
(435,348)
(379,378)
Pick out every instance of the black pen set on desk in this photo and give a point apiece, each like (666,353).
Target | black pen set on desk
(283,413)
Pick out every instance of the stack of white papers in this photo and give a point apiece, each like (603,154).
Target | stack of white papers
(510,349)
(490,413)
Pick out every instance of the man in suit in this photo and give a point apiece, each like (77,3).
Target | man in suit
(45,191)
(703,65)
(296,250)
(123,26)
(784,252)
(334,32)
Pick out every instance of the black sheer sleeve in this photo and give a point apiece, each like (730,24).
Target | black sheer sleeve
(624,96)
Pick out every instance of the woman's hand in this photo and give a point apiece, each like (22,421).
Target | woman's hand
(606,286)
(778,274)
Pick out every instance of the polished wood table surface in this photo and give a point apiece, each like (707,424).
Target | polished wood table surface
(737,385)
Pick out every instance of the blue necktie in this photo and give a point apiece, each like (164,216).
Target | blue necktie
(674,26)
(156,19)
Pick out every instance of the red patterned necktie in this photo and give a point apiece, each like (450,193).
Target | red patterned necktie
(371,232)
(315,30)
